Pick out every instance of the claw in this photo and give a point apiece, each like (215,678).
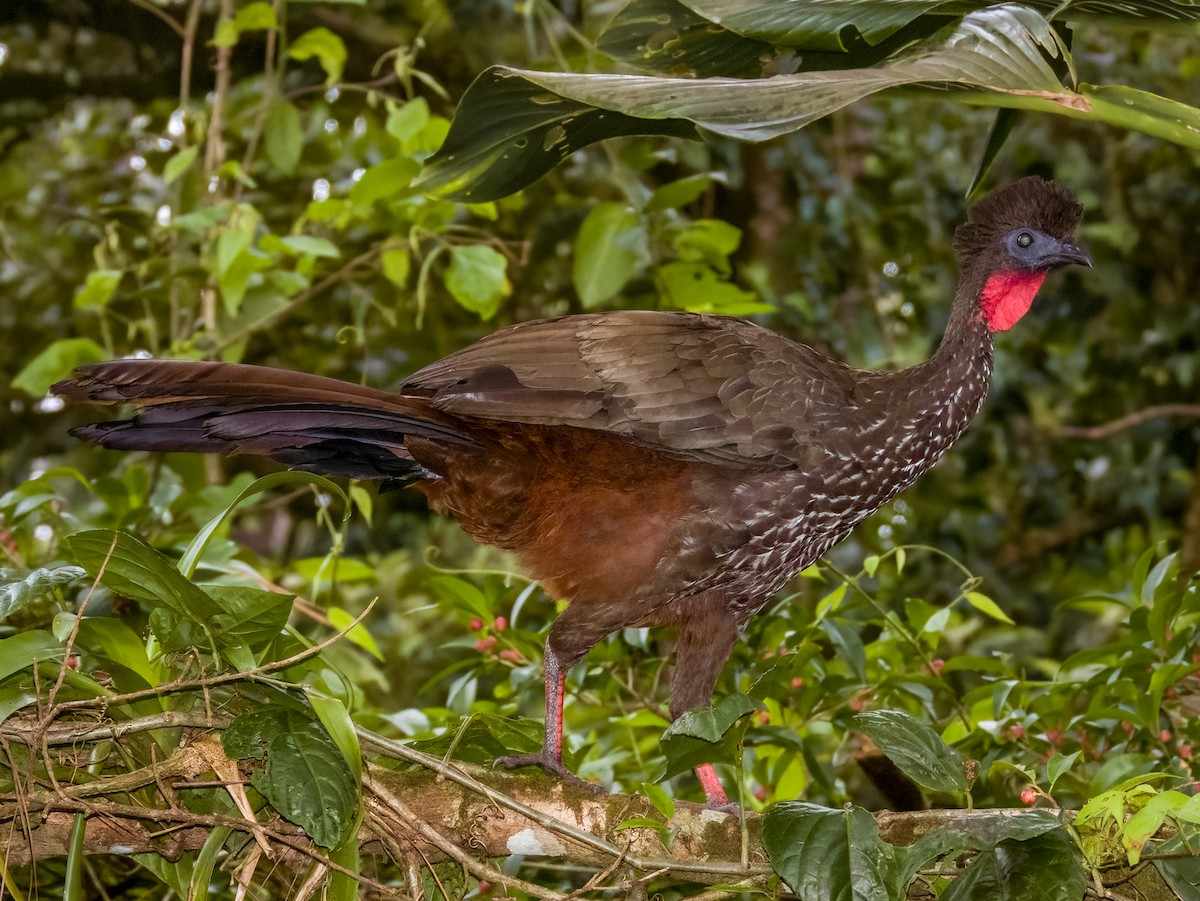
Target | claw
(550,764)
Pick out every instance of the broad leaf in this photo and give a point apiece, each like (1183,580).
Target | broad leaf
(304,774)
(20,589)
(825,854)
(979,831)
(1045,868)
(665,36)
(56,362)
(707,735)
(477,278)
(529,121)
(917,750)
(283,136)
(839,24)
(128,566)
(610,248)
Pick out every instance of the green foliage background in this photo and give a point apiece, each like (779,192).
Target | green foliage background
(276,229)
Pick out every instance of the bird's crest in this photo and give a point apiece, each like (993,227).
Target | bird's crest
(1031,202)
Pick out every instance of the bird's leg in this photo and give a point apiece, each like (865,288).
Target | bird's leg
(555,663)
(706,639)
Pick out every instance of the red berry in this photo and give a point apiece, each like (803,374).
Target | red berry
(936,666)
(1029,797)
(513,656)
(476,624)
(501,623)
(1185,751)
(763,718)
(485,644)
(1164,735)
(797,683)
(857,705)
(1054,737)
(484,886)
(1017,733)
(760,793)
(1128,727)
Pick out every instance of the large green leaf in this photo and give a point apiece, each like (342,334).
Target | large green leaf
(524,122)
(130,567)
(839,24)
(825,854)
(509,130)
(665,36)
(707,735)
(917,750)
(304,774)
(1046,868)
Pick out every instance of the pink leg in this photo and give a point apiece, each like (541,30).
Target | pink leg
(549,758)
(714,794)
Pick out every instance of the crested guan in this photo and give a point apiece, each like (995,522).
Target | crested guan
(658,469)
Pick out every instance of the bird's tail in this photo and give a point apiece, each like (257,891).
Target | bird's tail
(311,422)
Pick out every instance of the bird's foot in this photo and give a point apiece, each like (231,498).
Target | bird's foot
(551,764)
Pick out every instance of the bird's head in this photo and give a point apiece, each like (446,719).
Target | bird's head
(1012,239)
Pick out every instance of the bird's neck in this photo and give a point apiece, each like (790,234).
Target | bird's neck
(932,403)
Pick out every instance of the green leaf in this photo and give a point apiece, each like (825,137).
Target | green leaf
(195,549)
(665,36)
(986,605)
(135,570)
(708,241)
(510,131)
(254,616)
(326,47)
(477,278)
(981,830)
(20,651)
(255,16)
(340,727)
(384,181)
(679,193)
(699,288)
(116,645)
(483,737)
(707,735)
(304,774)
(917,750)
(610,248)
(360,635)
(98,289)
(1045,868)
(283,136)
(309,245)
(179,163)
(1057,765)
(1002,127)
(848,645)
(19,589)
(523,122)
(55,363)
(406,120)
(396,265)
(829,855)
(1143,825)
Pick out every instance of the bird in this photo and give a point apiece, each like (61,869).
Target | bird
(656,468)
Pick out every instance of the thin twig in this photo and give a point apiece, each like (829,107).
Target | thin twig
(224,678)
(1129,420)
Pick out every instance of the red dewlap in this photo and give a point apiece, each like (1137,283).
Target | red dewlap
(1007,296)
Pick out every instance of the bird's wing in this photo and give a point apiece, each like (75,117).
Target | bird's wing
(708,388)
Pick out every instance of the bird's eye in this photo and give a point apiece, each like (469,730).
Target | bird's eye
(1024,239)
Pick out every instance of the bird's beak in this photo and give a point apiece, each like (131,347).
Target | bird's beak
(1066,252)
